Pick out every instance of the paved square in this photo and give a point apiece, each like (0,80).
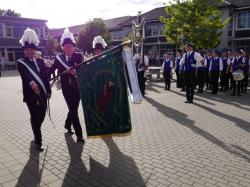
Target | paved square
(172,143)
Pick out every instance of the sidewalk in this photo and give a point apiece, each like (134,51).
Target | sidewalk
(172,143)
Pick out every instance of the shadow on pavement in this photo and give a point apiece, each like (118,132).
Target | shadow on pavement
(76,172)
(183,94)
(31,175)
(122,169)
(182,119)
(230,100)
(238,122)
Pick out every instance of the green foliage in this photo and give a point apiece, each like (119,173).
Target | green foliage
(90,30)
(9,12)
(199,21)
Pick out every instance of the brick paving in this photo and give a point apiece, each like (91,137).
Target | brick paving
(172,143)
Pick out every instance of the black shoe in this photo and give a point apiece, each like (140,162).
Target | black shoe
(39,147)
(212,93)
(233,94)
(165,88)
(238,94)
(187,101)
(80,140)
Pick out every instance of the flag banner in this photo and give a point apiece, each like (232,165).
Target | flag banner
(132,79)
(104,95)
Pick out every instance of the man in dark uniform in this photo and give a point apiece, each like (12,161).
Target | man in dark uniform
(224,76)
(177,68)
(36,88)
(69,83)
(190,60)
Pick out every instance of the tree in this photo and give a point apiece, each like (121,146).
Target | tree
(9,12)
(90,30)
(196,21)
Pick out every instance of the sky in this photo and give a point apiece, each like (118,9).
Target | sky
(65,13)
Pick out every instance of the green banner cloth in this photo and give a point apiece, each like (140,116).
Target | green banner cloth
(104,95)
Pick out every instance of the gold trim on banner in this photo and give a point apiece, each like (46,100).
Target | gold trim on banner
(109,135)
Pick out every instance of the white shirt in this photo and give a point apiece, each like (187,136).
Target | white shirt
(197,57)
(220,63)
(230,60)
(171,63)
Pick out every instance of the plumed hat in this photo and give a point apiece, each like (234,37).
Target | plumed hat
(29,39)
(99,43)
(67,38)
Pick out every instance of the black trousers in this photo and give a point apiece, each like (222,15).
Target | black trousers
(72,98)
(244,83)
(236,85)
(167,78)
(207,80)
(224,80)
(182,80)
(178,78)
(190,84)
(215,81)
(37,111)
(200,79)
(141,81)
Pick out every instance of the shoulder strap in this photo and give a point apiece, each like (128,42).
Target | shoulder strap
(62,62)
(39,80)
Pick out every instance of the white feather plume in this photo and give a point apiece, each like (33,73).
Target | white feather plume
(67,34)
(99,39)
(29,36)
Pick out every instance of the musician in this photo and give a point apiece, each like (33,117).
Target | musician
(190,60)
(201,72)
(246,73)
(36,88)
(177,68)
(229,66)
(207,64)
(167,67)
(237,64)
(215,68)
(70,90)
(224,76)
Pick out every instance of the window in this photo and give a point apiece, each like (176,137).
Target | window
(9,31)
(126,31)
(152,30)
(116,35)
(243,20)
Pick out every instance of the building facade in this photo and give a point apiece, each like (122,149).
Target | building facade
(237,34)
(11,30)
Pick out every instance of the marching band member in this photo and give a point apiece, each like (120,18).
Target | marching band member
(167,69)
(207,63)
(215,68)
(177,68)
(224,76)
(237,65)
(190,60)
(36,88)
(69,83)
